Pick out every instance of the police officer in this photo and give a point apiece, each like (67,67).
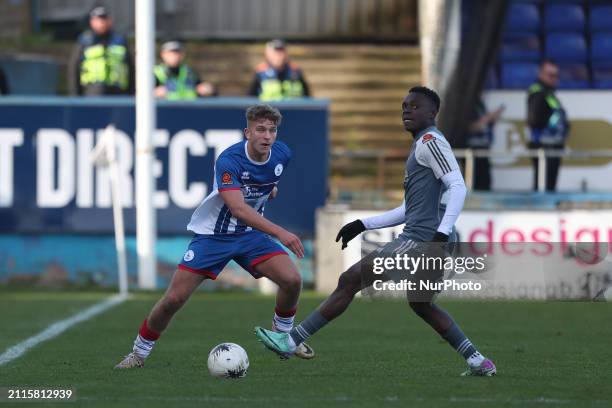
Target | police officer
(101,62)
(548,125)
(174,80)
(277,78)
(480,137)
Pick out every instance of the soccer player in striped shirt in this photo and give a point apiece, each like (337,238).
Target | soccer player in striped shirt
(229,225)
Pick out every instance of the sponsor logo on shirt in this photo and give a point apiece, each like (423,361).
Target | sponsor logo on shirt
(245,175)
(226,178)
(428,137)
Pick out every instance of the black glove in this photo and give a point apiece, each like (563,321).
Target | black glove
(439,237)
(350,231)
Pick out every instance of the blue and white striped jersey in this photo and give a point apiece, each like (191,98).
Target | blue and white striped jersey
(235,170)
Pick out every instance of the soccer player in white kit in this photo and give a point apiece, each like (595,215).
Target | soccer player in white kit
(431,171)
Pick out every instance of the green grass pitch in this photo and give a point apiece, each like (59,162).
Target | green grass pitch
(377,354)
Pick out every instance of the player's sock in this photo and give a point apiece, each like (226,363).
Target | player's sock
(455,337)
(145,341)
(307,328)
(283,320)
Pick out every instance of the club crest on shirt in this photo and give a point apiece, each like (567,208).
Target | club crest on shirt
(226,178)
(278,169)
(428,137)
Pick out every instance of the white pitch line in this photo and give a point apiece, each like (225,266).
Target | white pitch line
(59,327)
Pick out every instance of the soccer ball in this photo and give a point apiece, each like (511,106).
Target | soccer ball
(228,360)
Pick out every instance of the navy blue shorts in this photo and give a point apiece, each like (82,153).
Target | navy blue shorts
(207,255)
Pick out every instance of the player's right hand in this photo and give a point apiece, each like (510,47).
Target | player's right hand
(292,242)
(350,231)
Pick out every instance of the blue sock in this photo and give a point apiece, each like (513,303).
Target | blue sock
(455,337)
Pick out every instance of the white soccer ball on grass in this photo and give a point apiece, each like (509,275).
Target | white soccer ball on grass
(228,360)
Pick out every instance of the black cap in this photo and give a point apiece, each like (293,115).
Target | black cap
(277,44)
(99,11)
(172,46)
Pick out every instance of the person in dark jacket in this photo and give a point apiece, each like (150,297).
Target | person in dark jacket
(175,80)
(278,78)
(547,121)
(480,137)
(4,86)
(101,63)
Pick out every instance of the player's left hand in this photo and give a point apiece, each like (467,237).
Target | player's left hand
(292,242)
(350,231)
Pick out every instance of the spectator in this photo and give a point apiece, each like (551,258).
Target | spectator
(175,80)
(278,78)
(479,137)
(101,62)
(547,121)
(4,87)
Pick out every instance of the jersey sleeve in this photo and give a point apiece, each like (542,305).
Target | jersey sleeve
(226,174)
(435,152)
(286,153)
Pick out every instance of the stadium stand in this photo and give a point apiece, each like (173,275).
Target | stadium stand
(523,17)
(564,17)
(600,18)
(577,34)
(566,47)
(520,46)
(518,75)
(602,75)
(573,76)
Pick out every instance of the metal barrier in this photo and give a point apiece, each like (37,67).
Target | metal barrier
(469,155)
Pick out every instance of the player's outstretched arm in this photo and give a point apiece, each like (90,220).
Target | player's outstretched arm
(245,213)
(390,218)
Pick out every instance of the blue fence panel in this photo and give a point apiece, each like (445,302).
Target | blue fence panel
(53,187)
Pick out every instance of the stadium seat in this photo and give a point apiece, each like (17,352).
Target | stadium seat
(573,76)
(601,18)
(523,17)
(518,75)
(520,47)
(564,47)
(564,17)
(601,47)
(602,75)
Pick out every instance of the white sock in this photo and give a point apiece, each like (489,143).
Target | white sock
(475,359)
(282,324)
(143,347)
(292,342)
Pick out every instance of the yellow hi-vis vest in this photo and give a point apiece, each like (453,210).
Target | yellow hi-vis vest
(181,87)
(105,64)
(272,88)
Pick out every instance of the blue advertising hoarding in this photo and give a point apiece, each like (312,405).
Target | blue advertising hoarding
(48,183)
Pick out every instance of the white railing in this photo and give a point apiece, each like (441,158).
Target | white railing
(382,156)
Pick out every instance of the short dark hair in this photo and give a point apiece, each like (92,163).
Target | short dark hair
(429,93)
(257,112)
